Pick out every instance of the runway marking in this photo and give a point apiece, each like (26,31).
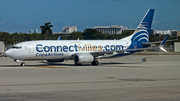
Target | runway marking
(47,67)
(89,82)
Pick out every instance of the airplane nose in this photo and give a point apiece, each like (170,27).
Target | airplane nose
(7,53)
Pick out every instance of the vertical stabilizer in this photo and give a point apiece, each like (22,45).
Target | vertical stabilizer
(143,30)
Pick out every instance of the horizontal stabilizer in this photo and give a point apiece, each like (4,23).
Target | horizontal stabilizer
(163,42)
(147,43)
(162,48)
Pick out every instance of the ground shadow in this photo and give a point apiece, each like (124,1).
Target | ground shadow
(122,63)
(9,66)
(45,64)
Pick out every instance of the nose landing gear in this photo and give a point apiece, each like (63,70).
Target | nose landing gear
(21,61)
(23,64)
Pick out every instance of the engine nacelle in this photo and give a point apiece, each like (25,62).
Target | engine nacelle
(56,60)
(83,58)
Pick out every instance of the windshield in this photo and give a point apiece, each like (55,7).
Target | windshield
(16,47)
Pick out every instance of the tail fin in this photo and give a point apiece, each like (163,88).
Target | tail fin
(59,38)
(143,30)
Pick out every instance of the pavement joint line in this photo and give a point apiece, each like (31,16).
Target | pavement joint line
(47,67)
(87,82)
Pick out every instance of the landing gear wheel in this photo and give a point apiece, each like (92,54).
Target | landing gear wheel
(95,63)
(23,64)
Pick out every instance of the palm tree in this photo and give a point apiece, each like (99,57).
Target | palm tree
(46,29)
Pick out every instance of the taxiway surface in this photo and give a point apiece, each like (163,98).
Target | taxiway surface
(126,78)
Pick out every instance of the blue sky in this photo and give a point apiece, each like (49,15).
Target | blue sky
(25,15)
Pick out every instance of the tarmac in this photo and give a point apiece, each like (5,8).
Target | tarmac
(116,79)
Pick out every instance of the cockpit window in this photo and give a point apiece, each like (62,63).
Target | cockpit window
(16,47)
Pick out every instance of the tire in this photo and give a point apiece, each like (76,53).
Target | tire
(95,63)
(23,64)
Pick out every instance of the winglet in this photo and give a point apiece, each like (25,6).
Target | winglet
(162,44)
(164,41)
(59,38)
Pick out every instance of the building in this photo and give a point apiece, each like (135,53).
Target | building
(163,32)
(36,31)
(178,33)
(152,31)
(174,33)
(1,47)
(113,29)
(132,30)
(177,47)
(31,31)
(69,29)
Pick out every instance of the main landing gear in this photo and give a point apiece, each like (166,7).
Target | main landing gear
(94,63)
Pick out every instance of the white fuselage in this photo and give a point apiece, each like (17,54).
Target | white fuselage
(55,49)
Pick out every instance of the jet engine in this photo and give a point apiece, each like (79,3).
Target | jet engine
(83,58)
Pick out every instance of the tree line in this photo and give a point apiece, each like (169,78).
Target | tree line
(87,34)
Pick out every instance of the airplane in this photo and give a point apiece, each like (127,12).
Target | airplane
(85,51)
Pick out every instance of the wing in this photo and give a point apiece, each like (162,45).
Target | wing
(100,53)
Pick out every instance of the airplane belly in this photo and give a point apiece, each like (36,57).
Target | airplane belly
(49,55)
